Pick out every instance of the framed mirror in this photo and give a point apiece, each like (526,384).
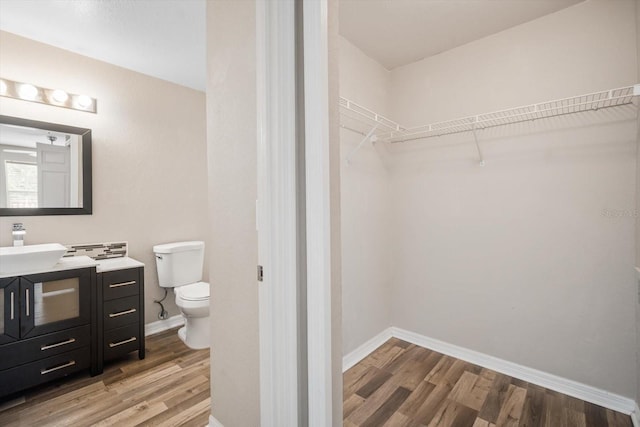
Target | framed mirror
(45,168)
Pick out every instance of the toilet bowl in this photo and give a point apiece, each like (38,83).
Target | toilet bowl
(193,302)
(179,267)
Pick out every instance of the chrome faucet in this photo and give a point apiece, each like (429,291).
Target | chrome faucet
(18,234)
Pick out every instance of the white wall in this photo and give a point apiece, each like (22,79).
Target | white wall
(365,208)
(517,259)
(149,154)
(232,155)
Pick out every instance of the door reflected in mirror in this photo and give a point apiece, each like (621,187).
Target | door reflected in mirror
(45,168)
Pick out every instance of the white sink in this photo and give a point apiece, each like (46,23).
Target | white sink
(22,259)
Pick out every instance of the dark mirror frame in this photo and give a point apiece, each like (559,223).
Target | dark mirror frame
(86,208)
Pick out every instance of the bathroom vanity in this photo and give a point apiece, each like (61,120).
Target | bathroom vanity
(70,318)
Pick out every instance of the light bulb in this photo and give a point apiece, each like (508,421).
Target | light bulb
(84,101)
(27,91)
(3,87)
(59,96)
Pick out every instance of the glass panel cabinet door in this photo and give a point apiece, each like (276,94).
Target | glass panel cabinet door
(54,300)
(9,310)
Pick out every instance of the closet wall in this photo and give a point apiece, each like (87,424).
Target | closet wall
(366,213)
(529,258)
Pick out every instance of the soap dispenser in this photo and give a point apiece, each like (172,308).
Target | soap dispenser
(18,234)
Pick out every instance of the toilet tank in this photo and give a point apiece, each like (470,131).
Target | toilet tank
(179,263)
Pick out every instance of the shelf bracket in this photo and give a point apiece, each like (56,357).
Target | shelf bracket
(475,138)
(368,136)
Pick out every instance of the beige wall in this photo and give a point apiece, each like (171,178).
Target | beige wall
(516,259)
(637,298)
(149,154)
(232,155)
(366,211)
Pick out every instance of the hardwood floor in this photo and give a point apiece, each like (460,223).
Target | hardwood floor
(170,387)
(401,384)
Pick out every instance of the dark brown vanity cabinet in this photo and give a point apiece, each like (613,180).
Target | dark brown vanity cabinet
(122,313)
(46,327)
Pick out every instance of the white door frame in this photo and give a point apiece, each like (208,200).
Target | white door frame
(276,212)
(276,207)
(318,209)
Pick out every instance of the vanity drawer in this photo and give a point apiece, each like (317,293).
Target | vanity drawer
(120,283)
(120,341)
(31,374)
(43,346)
(121,312)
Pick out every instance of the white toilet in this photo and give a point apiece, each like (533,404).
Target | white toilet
(180,267)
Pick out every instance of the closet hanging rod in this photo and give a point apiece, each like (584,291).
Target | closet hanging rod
(353,130)
(581,103)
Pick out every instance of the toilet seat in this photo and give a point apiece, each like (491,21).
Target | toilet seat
(194,292)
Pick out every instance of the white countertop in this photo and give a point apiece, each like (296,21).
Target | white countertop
(117,264)
(70,263)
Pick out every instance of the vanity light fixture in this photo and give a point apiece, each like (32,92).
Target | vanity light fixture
(59,96)
(84,101)
(27,92)
(55,97)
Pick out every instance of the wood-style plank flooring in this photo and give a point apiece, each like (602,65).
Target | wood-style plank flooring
(170,387)
(401,384)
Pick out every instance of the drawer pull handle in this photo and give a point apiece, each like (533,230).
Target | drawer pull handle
(115,344)
(117,285)
(66,365)
(122,313)
(58,344)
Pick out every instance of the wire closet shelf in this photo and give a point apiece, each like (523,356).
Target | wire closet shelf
(387,130)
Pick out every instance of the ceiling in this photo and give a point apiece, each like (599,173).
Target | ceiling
(166,38)
(398,32)
(160,38)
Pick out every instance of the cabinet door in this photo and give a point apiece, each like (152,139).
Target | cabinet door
(9,310)
(54,301)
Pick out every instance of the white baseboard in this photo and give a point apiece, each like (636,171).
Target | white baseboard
(213,422)
(534,376)
(635,416)
(365,349)
(162,325)
(544,379)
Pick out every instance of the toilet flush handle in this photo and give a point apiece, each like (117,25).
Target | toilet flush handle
(158,256)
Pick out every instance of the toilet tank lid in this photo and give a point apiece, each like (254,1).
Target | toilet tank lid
(169,248)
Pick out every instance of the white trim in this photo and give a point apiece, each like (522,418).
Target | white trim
(318,211)
(213,422)
(365,349)
(544,379)
(277,211)
(635,416)
(163,325)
